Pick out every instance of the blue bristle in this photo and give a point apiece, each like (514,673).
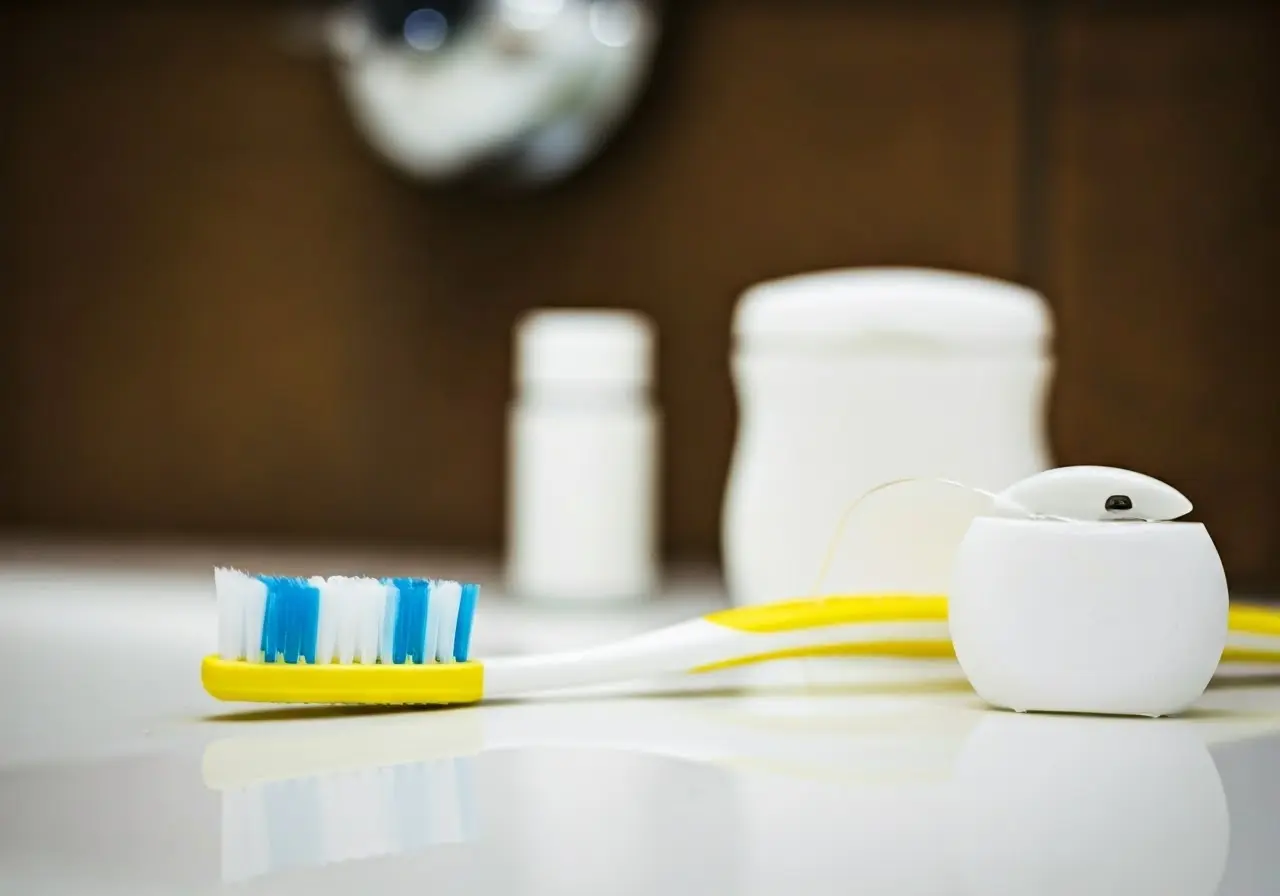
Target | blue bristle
(466,612)
(400,646)
(421,591)
(291,630)
(270,619)
(290,620)
(302,621)
(411,620)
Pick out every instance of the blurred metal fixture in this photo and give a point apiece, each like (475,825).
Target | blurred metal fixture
(526,91)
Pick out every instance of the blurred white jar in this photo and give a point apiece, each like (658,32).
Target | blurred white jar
(582,453)
(849,379)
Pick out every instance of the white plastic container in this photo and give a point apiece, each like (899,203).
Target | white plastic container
(1094,617)
(582,477)
(849,379)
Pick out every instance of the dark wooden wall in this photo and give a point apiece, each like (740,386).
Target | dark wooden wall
(220,314)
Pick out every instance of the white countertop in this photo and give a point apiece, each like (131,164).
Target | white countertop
(118,774)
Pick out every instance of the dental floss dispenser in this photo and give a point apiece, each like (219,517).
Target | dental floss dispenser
(851,378)
(1083,592)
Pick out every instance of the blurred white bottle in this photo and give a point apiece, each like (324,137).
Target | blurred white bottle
(582,453)
(848,379)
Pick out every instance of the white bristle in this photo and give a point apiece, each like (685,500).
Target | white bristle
(449,596)
(353,612)
(230,595)
(433,623)
(327,624)
(255,605)
(387,641)
(242,599)
(345,595)
(372,597)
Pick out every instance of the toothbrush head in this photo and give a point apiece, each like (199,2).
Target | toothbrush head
(1088,493)
(343,639)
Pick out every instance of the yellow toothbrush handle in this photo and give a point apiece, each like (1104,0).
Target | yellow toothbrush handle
(1255,631)
(880,625)
(1254,620)
(820,612)
(841,610)
(1253,636)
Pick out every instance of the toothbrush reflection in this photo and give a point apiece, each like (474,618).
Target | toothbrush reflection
(300,801)
(380,811)
(561,794)
(504,811)
(919,793)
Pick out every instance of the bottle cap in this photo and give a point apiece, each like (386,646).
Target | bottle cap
(597,348)
(893,309)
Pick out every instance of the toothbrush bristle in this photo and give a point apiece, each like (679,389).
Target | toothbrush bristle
(342,619)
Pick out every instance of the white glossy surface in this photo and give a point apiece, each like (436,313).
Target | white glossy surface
(118,775)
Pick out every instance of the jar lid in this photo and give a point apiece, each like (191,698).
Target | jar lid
(604,348)
(893,308)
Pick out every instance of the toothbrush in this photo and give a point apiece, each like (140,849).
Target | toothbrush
(362,640)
